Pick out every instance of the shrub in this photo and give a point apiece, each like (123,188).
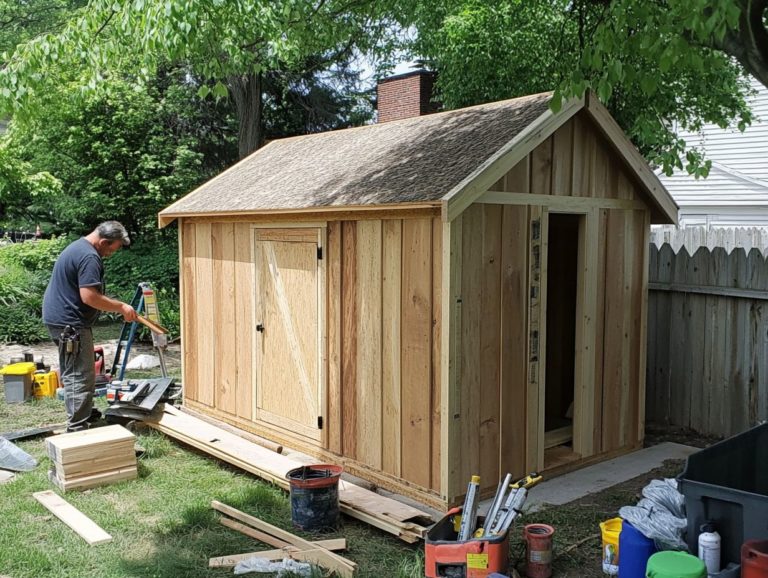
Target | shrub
(156,263)
(21,299)
(36,256)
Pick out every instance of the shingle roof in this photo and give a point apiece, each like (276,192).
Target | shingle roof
(412,160)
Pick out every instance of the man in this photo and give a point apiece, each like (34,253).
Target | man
(71,305)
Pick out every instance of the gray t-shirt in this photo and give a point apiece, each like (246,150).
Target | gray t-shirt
(79,265)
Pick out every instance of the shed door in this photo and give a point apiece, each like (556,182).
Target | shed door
(288,324)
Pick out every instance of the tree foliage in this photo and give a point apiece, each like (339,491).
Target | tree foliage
(657,65)
(25,193)
(232,43)
(124,153)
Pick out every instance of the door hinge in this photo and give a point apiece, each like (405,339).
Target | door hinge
(319,422)
(319,253)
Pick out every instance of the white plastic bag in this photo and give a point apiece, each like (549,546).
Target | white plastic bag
(143,361)
(264,566)
(660,516)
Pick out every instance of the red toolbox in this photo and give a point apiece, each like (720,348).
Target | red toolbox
(444,557)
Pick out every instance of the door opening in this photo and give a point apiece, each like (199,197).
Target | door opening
(562,294)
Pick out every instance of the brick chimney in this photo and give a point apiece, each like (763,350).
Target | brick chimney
(406,95)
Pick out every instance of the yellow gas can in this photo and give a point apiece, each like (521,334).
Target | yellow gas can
(45,384)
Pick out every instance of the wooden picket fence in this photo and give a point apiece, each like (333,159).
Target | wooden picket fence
(729,238)
(707,339)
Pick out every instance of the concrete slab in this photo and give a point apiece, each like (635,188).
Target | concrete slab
(598,477)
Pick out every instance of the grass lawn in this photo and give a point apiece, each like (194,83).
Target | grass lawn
(163,525)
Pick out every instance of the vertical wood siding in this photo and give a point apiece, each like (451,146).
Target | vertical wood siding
(217,283)
(385,379)
(501,387)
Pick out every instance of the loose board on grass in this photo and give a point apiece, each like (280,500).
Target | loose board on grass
(86,528)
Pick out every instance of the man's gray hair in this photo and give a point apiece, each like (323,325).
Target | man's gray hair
(113,231)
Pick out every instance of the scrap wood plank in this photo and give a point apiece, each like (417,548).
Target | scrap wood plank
(288,551)
(384,513)
(254,533)
(86,528)
(33,432)
(325,558)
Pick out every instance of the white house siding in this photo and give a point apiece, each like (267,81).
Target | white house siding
(736,191)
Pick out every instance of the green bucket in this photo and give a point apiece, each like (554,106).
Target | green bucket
(675,565)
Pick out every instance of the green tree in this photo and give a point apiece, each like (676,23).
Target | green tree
(23,20)
(25,194)
(233,43)
(657,65)
(124,153)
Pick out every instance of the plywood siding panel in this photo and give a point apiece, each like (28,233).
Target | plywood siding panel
(470,372)
(437,302)
(490,350)
(541,168)
(189,312)
(597,440)
(369,301)
(349,339)
(223,251)
(617,332)
(416,350)
(392,281)
(244,342)
(583,154)
(335,424)
(562,160)
(206,347)
(514,310)
(518,180)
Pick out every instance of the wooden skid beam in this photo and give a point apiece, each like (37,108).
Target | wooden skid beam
(325,558)
(86,528)
(384,513)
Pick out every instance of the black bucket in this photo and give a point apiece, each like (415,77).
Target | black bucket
(315,497)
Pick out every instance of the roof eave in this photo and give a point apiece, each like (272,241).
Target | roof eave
(665,208)
(166,217)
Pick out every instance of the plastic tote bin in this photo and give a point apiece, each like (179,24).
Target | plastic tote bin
(672,564)
(727,484)
(17,380)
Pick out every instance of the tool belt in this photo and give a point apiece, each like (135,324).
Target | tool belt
(69,339)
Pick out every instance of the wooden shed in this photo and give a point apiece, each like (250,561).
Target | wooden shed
(430,298)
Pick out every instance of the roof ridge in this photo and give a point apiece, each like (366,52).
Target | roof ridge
(415,119)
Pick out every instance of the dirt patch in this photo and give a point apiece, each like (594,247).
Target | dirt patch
(47,353)
(577,541)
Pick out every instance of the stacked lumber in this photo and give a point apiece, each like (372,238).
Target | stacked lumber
(91,458)
(407,523)
(288,545)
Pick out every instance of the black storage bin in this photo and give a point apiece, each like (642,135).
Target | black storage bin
(727,484)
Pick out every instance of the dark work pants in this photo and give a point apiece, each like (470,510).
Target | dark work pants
(78,376)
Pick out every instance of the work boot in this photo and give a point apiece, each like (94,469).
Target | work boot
(82,427)
(95,415)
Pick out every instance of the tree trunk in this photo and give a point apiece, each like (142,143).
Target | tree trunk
(246,92)
(749,44)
